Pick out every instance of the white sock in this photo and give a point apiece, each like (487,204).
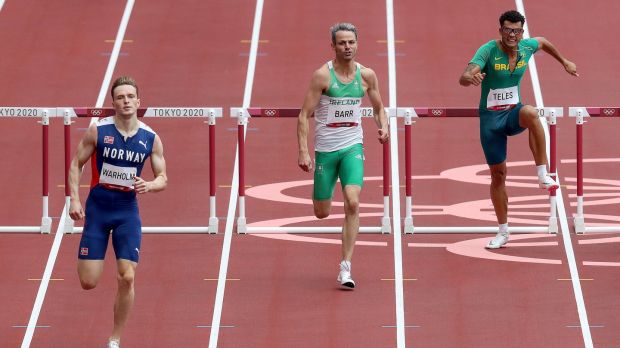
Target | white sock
(542,171)
(503,228)
(346,265)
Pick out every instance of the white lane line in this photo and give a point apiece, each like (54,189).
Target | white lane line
(568,246)
(234,186)
(398,259)
(47,274)
(38,303)
(120,35)
(406,326)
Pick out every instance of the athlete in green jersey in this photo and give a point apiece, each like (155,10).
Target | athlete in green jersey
(334,97)
(499,66)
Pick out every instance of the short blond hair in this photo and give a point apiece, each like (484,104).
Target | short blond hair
(124,80)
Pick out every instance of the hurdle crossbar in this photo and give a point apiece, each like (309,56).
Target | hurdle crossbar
(411,113)
(580,113)
(243,115)
(164,112)
(44,113)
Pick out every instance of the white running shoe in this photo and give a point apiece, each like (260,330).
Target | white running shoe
(114,344)
(548,183)
(500,239)
(344,277)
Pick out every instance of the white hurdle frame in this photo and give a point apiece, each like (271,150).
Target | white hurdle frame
(45,113)
(580,113)
(410,113)
(161,112)
(243,115)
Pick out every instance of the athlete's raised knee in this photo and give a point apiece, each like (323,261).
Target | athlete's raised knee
(320,213)
(88,284)
(528,117)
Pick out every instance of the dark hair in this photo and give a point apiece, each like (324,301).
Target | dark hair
(124,80)
(511,16)
(342,27)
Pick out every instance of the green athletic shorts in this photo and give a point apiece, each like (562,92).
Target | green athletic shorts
(495,127)
(346,164)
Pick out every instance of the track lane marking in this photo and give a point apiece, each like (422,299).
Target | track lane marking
(396,227)
(232,202)
(565,230)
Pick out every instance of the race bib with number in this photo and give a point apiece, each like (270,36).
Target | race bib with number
(502,97)
(120,176)
(343,112)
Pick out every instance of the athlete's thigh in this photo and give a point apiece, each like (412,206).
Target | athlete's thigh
(351,171)
(518,118)
(96,232)
(492,139)
(325,175)
(127,236)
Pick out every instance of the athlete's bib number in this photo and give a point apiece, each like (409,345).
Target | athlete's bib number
(343,112)
(120,176)
(502,97)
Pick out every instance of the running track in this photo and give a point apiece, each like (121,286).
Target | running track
(190,53)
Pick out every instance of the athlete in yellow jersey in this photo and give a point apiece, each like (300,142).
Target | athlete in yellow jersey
(334,97)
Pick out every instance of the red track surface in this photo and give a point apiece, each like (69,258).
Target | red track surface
(190,53)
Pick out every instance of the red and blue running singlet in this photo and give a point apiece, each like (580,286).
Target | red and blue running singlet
(117,160)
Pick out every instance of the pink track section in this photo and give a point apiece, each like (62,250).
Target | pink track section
(190,53)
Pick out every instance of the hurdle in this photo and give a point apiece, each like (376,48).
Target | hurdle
(159,112)
(580,113)
(410,113)
(243,115)
(44,113)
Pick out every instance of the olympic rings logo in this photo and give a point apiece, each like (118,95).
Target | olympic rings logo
(270,112)
(437,112)
(609,112)
(96,112)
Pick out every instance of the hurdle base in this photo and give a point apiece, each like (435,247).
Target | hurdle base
(478,230)
(304,230)
(602,229)
(242,228)
(20,229)
(69,225)
(213,225)
(553,225)
(580,225)
(386,226)
(408,225)
(46,225)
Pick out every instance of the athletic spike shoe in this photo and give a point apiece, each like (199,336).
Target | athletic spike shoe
(114,344)
(548,183)
(500,239)
(344,277)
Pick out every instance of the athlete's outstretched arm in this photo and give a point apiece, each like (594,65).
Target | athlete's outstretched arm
(158,165)
(548,47)
(85,149)
(310,102)
(472,75)
(378,110)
